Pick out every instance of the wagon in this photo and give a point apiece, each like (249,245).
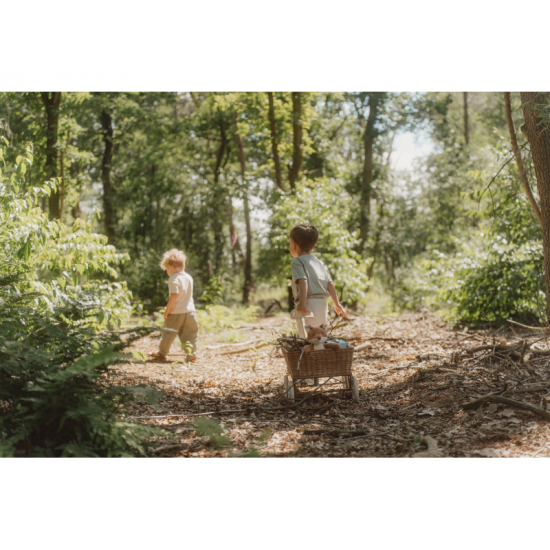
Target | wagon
(334,367)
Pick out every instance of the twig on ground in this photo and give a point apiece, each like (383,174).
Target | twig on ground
(541,329)
(168,448)
(354,433)
(260,345)
(506,401)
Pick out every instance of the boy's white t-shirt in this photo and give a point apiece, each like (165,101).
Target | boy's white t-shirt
(181,283)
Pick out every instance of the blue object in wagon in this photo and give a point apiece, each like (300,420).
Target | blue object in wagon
(341,343)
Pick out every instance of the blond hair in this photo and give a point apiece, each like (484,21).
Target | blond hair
(173,258)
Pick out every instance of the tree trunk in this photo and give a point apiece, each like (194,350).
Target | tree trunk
(466,127)
(234,238)
(275,143)
(371,133)
(219,203)
(62,170)
(108,209)
(539,143)
(519,160)
(297,158)
(51,101)
(248,258)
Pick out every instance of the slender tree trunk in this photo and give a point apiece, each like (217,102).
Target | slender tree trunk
(219,202)
(466,126)
(519,160)
(369,138)
(297,159)
(62,170)
(108,193)
(539,143)
(234,238)
(248,258)
(51,101)
(275,142)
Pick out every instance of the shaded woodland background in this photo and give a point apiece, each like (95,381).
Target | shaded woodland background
(224,176)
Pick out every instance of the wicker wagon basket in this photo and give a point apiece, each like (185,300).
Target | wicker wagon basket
(323,363)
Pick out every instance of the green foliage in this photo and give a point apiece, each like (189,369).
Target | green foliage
(58,262)
(491,267)
(213,292)
(56,398)
(213,429)
(325,204)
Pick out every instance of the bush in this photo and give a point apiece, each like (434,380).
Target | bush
(56,346)
(56,398)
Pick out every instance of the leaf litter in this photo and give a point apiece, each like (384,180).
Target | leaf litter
(415,374)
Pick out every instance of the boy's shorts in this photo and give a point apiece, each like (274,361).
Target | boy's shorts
(319,308)
(186,327)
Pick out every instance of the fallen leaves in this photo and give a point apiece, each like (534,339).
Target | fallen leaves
(398,401)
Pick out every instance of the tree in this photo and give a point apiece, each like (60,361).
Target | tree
(466,123)
(538,136)
(275,142)
(247,284)
(108,209)
(297,137)
(52,101)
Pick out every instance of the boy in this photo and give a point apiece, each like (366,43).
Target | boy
(180,312)
(311,282)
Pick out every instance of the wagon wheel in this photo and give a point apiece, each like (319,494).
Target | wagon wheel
(354,388)
(289,388)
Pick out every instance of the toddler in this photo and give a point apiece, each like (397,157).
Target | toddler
(311,281)
(180,312)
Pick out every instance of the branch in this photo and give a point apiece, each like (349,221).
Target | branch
(519,160)
(506,401)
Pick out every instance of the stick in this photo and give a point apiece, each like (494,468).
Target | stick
(168,448)
(249,348)
(353,433)
(190,415)
(526,326)
(229,345)
(506,401)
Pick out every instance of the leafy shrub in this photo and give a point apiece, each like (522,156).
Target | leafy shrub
(55,395)
(56,398)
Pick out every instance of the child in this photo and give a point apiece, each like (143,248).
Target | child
(180,312)
(311,282)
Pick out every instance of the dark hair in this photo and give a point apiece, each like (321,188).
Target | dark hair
(305,236)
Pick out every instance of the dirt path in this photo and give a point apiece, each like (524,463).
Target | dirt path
(412,384)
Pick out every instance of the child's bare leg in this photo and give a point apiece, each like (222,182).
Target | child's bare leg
(301,328)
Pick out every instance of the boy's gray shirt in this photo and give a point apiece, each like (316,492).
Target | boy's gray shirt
(315,271)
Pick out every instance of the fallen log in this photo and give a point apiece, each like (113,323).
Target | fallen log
(506,401)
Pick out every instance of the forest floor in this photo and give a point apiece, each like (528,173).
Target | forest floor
(415,375)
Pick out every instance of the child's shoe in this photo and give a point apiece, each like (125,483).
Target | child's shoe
(192,359)
(158,355)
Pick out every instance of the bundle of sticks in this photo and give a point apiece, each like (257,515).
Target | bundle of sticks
(290,342)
